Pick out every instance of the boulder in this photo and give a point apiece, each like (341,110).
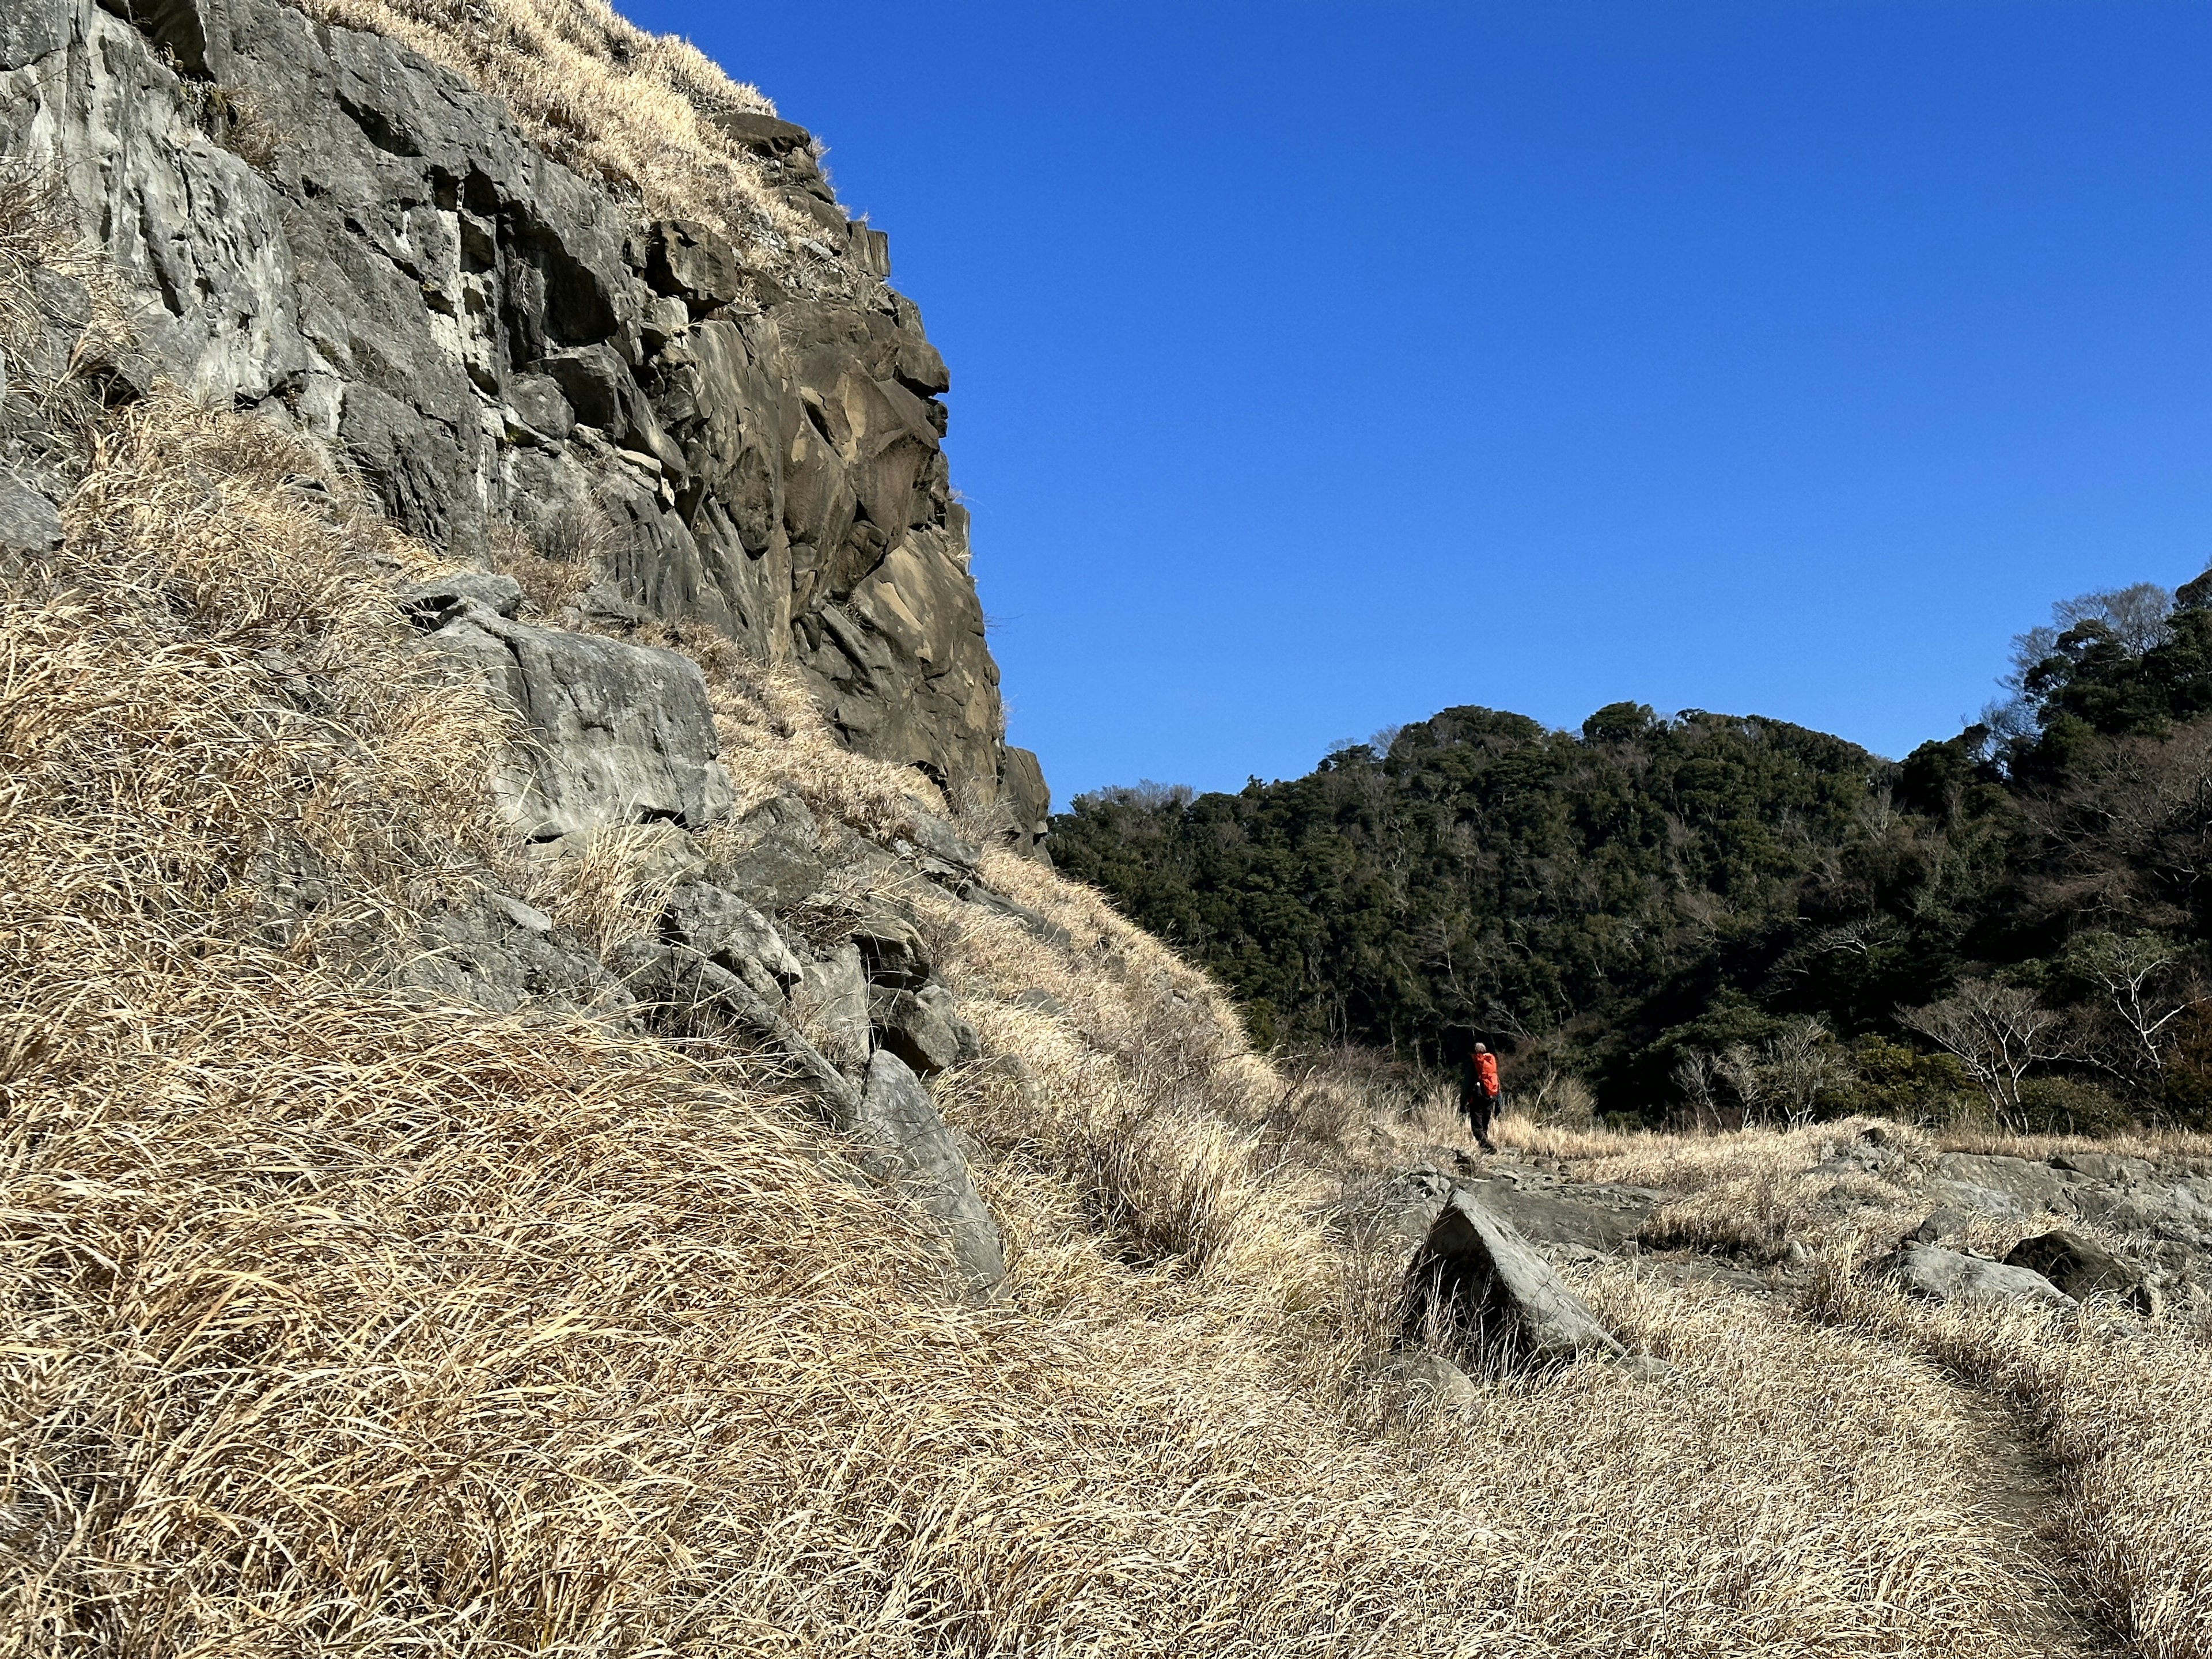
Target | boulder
(2079,1267)
(29,522)
(681,994)
(730,933)
(920,1027)
(1400,1210)
(495,952)
(1604,1219)
(919,1156)
(616,733)
(1936,1275)
(452,594)
(772,855)
(1477,1276)
(890,948)
(830,1004)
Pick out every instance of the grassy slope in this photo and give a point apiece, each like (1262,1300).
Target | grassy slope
(332,1321)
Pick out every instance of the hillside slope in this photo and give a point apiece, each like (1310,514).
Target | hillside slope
(519,1133)
(1733,918)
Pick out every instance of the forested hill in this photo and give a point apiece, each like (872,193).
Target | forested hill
(1669,909)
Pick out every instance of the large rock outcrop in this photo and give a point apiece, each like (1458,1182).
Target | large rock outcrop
(513,357)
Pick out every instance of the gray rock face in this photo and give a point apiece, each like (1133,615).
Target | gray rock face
(772,855)
(2003,1186)
(1476,1273)
(904,1141)
(891,949)
(1941,1275)
(831,1004)
(495,342)
(925,1162)
(451,595)
(500,954)
(919,1027)
(732,935)
(29,522)
(1602,1218)
(616,733)
(681,994)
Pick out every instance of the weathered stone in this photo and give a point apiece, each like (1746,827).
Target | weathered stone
(537,397)
(773,855)
(2079,1267)
(919,1027)
(1401,1209)
(1476,1275)
(617,733)
(890,948)
(2109,1167)
(1604,1218)
(763,132)
(29,522)
(830,1004)
(692,262)
(730,933)
(1939,1275)
(407,278)
(2005,1186)
(431,603)
(1028,800)
(32,29)
(926,1163)
(680,992)
(497,953)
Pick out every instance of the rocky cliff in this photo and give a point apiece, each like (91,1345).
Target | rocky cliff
(531,368)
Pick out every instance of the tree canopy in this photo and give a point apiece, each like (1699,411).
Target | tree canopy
(1633,901)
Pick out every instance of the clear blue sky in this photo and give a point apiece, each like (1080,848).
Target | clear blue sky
(1317,367)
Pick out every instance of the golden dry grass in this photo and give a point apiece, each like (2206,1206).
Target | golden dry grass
(632,109)
(2125,1408)
(334,1321)
(337,1322)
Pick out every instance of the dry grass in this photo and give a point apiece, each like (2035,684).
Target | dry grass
(2125,1409)
(329,1321)
(334,1323)
(631,109)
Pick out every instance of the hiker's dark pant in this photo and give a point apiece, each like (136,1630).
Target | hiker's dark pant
(1480,1107)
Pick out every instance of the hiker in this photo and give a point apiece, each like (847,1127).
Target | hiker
(1477,1094)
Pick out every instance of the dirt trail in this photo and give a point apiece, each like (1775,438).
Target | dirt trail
(2020,1498)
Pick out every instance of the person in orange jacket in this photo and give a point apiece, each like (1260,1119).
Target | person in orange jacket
(1477,1094)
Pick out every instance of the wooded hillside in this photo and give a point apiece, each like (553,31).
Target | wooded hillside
(1732,915)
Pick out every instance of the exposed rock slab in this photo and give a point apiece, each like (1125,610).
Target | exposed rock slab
(2081,1267)
(616,733)
(1939,1275)
(926,1163)
(1476,1273)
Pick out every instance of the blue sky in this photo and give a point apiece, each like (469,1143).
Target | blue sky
(1317,367)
